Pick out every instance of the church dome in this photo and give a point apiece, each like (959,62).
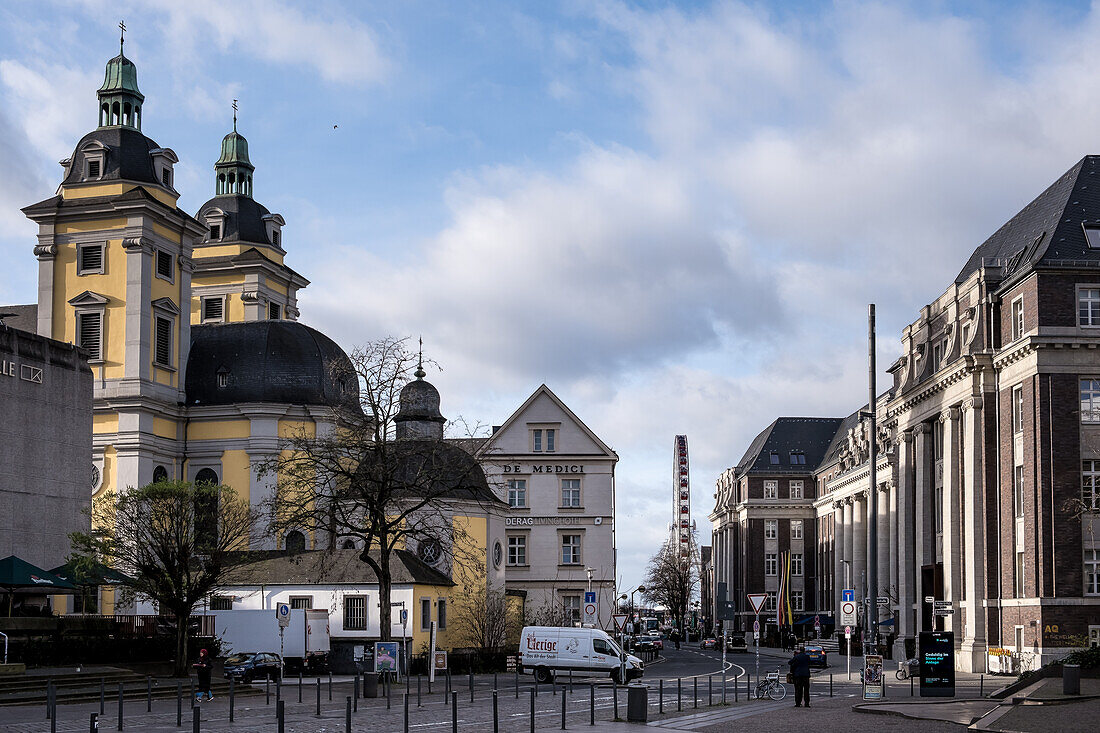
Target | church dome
(121,76)
(244,218)
(234,150)
(126,154)
(419,414)
(284,362)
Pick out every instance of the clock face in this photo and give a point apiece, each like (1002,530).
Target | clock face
(430,551)
(498,554)
(95,478)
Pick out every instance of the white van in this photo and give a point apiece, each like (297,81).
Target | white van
(549,650)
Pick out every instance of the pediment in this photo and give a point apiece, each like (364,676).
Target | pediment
(89,298)
(94,146)
(165,153)
(166,304)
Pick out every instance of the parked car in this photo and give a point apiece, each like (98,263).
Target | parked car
(644,643)
(248,666)
(658,642)
(817,656)
(709,643)
(736,643)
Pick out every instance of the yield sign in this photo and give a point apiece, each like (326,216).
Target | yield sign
(619,619)
(757,601)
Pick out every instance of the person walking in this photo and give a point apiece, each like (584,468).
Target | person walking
(800,675)
(203,667)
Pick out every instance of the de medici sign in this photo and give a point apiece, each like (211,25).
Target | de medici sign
(544,468)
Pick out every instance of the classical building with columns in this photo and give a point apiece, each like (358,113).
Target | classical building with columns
(989,450)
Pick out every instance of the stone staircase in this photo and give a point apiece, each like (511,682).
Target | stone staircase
(84,686)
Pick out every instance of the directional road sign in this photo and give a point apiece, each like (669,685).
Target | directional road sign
(848,594)
(757,600)
(883,601)
(942,604)
(944,611)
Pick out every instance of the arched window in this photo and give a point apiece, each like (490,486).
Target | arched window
(295,541)
(349,545)
(221,183)
(127,114)
(160,473)
(104,115)
(137,117)
(206,476)
(206,509)
(115,113)
(249,191)
(232,183)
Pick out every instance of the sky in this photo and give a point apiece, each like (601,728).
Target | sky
(672,214)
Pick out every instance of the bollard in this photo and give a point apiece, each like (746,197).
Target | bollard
(53,711)
(910,687)
(679,707)
(267,690)
(736,689)
(723,687)
(695,692)
(660,696)
(591,704)
(355,695)
(93,723)
(406,707)
(49,689)
(563,700)
(831,685)
(280,713)
(318,711)
(448,679)
(554,685)
(532,711)
(195,720)
(496,714)
(570,682)
(347,715)
(454,712)
(120,706)
(299,686)
(517,681)
(471,683)
(615,693)
(418,690)
(101,697)
(710,690)
(981,686)
(330,686)
(148,694)
(386,677)
(232,699)
(192,680)
(179,703)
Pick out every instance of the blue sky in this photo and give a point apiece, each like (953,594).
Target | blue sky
(672,214)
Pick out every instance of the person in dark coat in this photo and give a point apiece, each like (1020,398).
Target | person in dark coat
(203,667)
(800,673)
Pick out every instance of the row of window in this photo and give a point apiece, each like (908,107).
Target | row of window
(570,549)
(570,493)
(212,309)
(771,529)
(91,260)
(771,563)
(771,489)
(355,610)
(797,600)
(798,458)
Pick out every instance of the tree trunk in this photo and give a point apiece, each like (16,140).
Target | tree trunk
(182,668)
(385,588)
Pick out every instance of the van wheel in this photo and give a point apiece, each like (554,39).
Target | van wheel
(616,677)
(543,675)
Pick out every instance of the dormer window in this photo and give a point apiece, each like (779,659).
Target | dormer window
(1092,236)
(274,311)
(223,377)
(94,168)
(166,177)
(215,222)
(215,231)
(163,159)
(274,223)
(275,237)
(95,160)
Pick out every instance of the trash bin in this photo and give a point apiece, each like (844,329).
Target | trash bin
(370,685)
(1071,679)
(637,703)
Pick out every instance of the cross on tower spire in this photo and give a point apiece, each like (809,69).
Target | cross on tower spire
(420,373)
(122,36)
(234,115)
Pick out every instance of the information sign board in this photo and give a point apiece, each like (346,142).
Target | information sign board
(848,613)
(589,613)
(727,611)
(872,677)
(282,613)
(848,594)
(937,663)
(439,661)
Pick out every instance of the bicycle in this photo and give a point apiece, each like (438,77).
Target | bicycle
(908,668)
(771,687)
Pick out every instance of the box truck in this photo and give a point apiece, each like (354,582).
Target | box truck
(549,650)
(305,643)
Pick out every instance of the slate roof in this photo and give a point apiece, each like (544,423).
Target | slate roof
(243,218)
(267,361)
(840,439)
(21,317)
(249,256)
(128,158)
(810,435)
(335,567)
(1047,229)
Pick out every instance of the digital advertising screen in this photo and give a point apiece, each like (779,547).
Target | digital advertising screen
(937,663)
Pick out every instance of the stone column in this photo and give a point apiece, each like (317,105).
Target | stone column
(859,542)
(952,556)
(973,651)
(902,540)
(46,252)
(848,555)
(885,556)
(924,535)
(838,552)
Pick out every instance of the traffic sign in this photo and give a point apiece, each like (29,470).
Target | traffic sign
(848,613)
(590,613)
(756,637)
(619,619)
(942,604)
(944,611)
(883,601)
(848,594)
(817,620)
(590,596)
(929,599)
(282,613)
(757,600)
(756,625)
(847,632)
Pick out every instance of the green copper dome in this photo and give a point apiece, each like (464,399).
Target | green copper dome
(121,76)
(234,150)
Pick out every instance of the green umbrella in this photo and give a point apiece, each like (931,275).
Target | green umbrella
(89,574)
(17,573)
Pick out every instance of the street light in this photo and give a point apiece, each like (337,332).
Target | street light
(639,589)
(590,571)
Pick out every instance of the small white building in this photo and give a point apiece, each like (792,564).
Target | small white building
(558,478)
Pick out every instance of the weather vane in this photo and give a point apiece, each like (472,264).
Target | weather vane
(420,373)
(122,35)
(234,115)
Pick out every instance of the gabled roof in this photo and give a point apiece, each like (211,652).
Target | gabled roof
(810,436)
(1048,229)
(544,390)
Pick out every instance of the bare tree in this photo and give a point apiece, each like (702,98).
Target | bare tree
(371,482)
(671,578)
(176,542)
(480,612)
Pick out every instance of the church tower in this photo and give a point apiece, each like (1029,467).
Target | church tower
(239,270)
(114,253)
